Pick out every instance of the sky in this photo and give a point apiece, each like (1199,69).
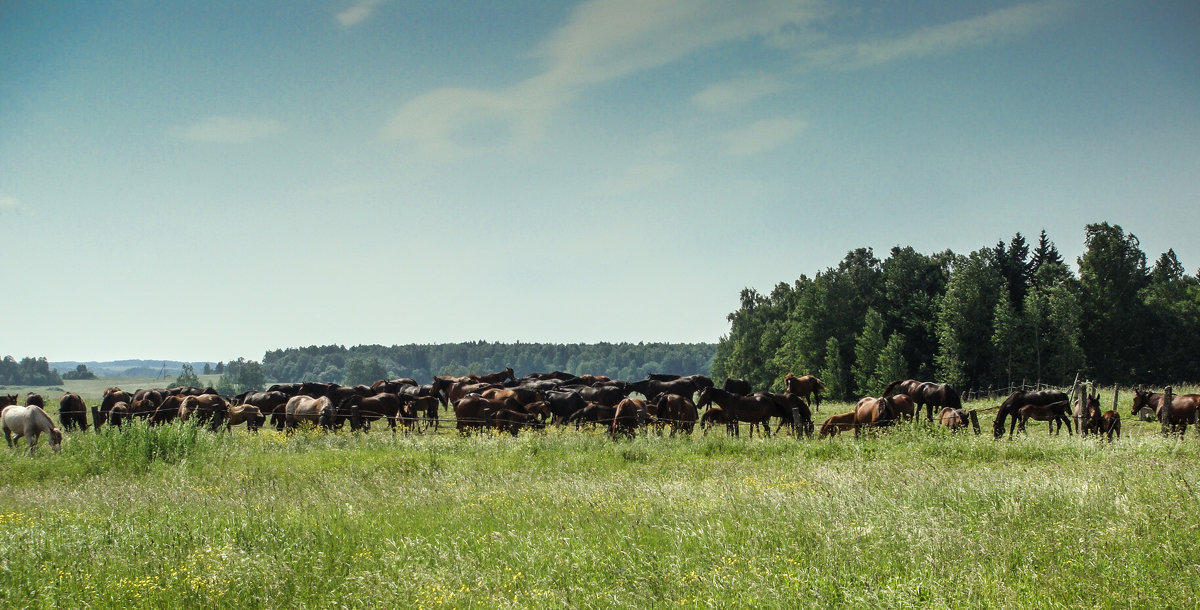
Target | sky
(208,180)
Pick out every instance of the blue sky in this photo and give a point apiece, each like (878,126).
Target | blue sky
(211,180)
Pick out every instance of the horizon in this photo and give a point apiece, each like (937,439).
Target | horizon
(220,180)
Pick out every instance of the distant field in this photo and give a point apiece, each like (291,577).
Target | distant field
(917,517)
(92,390)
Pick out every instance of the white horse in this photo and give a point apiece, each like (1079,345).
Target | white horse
(30,422)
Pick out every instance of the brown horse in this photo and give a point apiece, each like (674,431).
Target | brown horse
(1110,423)
(678,411)
(72,412)
(905,386)
(1087,414)
(7,399)
(754,409)
(1178,415)
(716,415)
(370,408)
(203,407)
(628,416)
(1053,412)
(244,413)
(1018,399)
(837,423)
(33,399)
(904,406)
(501,377)
(306,409)
(873,412)
(804,387)
(957,419)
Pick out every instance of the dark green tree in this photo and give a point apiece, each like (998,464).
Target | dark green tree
(965,321)
(1112,272)
(186,379)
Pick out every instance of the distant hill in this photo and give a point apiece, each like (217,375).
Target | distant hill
(131,368)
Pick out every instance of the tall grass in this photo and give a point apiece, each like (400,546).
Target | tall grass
(917,517)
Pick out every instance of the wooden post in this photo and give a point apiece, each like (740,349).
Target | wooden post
(355,418)
(1116,393)
(796,421)
(1166,410)
(95,418)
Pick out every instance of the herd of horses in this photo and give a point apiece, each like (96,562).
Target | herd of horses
(508,404)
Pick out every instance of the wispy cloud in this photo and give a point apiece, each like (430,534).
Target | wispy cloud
(602,40)
(734,94)
(357,12)
(990,28)
(227,130)
(762,136)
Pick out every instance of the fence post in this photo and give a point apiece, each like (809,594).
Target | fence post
(796,421)
(1116,393)
(355,418)
(95,418)
(1166,410)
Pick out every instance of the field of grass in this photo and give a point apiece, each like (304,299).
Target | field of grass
(916,517)
(92,390)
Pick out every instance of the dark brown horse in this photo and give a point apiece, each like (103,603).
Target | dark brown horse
(807,387)
(717,415)
(754,409)
(1110,423)
(905,386)
(782,406)
(1178,414)
(1087,414)
(33,399)
(502,376)
(629,415)
(72,412)
(370,408)
(932,395)
(7,399)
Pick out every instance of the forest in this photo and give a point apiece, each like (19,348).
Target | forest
(367,363)
(1002,315)
(27,371)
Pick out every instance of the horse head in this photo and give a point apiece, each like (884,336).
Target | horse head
(1141,400)
(56,437)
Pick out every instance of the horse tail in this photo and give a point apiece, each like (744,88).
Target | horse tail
(886,391)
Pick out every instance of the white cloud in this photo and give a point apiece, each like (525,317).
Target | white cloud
(734,94)
(357,12)
(990,28)
(9,204)
(227,130)
(762,136)
(601,41)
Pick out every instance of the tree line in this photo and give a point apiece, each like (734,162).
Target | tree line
(28,371)
(367,363)
(997,316)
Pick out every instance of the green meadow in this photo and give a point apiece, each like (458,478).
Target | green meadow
(915,517)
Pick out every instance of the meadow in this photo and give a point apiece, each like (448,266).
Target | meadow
(915,517)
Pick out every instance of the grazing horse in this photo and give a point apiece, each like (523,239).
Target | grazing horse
(510,421)
(782,406)
(902,386)
(716,415)
(30,422)
(420,412)
(678,411)
(1053,412)
(270,405)
(904,405)
(565,403)
(805,386)
(316,411)
(837,423)
(593,413)
(370,408)
(1178,414)
(1017,400)
(33,399)
(7,399)
(72,412)
(956,419)
(628,416)
(244,413)
(754,409)
(874,413)
(471,413)
(204,407)
(118,414)
(112,396)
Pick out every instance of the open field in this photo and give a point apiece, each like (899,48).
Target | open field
(916,517)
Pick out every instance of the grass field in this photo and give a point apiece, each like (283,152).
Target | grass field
(914,518)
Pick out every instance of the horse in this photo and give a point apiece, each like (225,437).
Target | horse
(244,413)
(837,423)
(591,413)
(873,412)
(370,408)
(7,399)
(510,421)
(1018,399)
(737,386)
(471,412)
(270,405)
(956,419)
(565,403)
(754,409)
(505,375)
(33,399)
(901,386)
(72,412)
(679,411)
(1178,415)
(930,395)
(420,412)
(716,415)
(316,411)
(112,396)
(1087,414)
(118,414)
(805,386)
(393,386)
(30,422)
(1053,412)
(628,416)
(205,407)
(904,405)
(782,406)
(1110,423)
